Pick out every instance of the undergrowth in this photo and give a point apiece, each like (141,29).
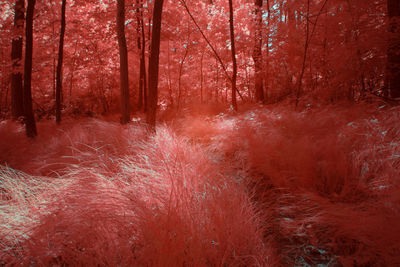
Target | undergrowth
(123,198)
(327,180)
(265,187)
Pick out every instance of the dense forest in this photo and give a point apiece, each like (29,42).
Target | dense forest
(200,133)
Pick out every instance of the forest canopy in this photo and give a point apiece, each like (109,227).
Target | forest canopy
(310,50)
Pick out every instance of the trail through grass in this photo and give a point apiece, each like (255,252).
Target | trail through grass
(266,187)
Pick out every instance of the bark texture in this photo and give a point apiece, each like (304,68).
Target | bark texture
(154,65)
(30,124)
(60,64)
(123,61)
(17,88)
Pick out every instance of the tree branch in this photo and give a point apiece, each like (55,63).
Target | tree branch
(183,2)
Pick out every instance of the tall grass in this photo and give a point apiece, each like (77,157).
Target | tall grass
(327,179)
(264,187)
(121,198)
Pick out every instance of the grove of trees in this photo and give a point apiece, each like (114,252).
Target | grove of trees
(84,61)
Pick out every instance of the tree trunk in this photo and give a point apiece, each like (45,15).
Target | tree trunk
(303,67)
(217,77)
(209,44)
(60,64)
(170,92)
(17,106)
(154,65)
(123,61)
(143,62)
(393,61)
(257,53)
(180,73)
(267,74)
(72,69)
(30,124)
(201,77)
(139,45)
(233,50)
(141,41)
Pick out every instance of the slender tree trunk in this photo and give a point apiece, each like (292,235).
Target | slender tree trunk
(123,61)
(266,80)
(60,64)
(201,77)
(140,97)
(54,71)
(154,64)
(139,45)
(72,70)
(209,44)
(143,60)
(53,35)
(180,75)
(393,64)
(217,76)
(233,50)
(257,53)
(171,97)
(303,67)
(30,124)
(144,78)
(17,106)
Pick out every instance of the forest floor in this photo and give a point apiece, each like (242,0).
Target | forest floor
(268,186)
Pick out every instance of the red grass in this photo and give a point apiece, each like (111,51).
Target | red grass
(265,187)
(329,179)
(163,204)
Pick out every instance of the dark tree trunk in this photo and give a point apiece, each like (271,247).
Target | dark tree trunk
(233,50)
(143,62)
(17,104)
(30,124)
(123,61)
(139,45)
(60,64)
(142,83)
(154,65)
(257,53)
(393,64)
(141,42)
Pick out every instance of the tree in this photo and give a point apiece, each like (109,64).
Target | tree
(141,42)
(393,51)
(17,108)
(59,64)
(257,53)
(306,45)
(154,65)
(308,36)
(123,59)
(233,50)
(268,51)
(30,124)
(181,64)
